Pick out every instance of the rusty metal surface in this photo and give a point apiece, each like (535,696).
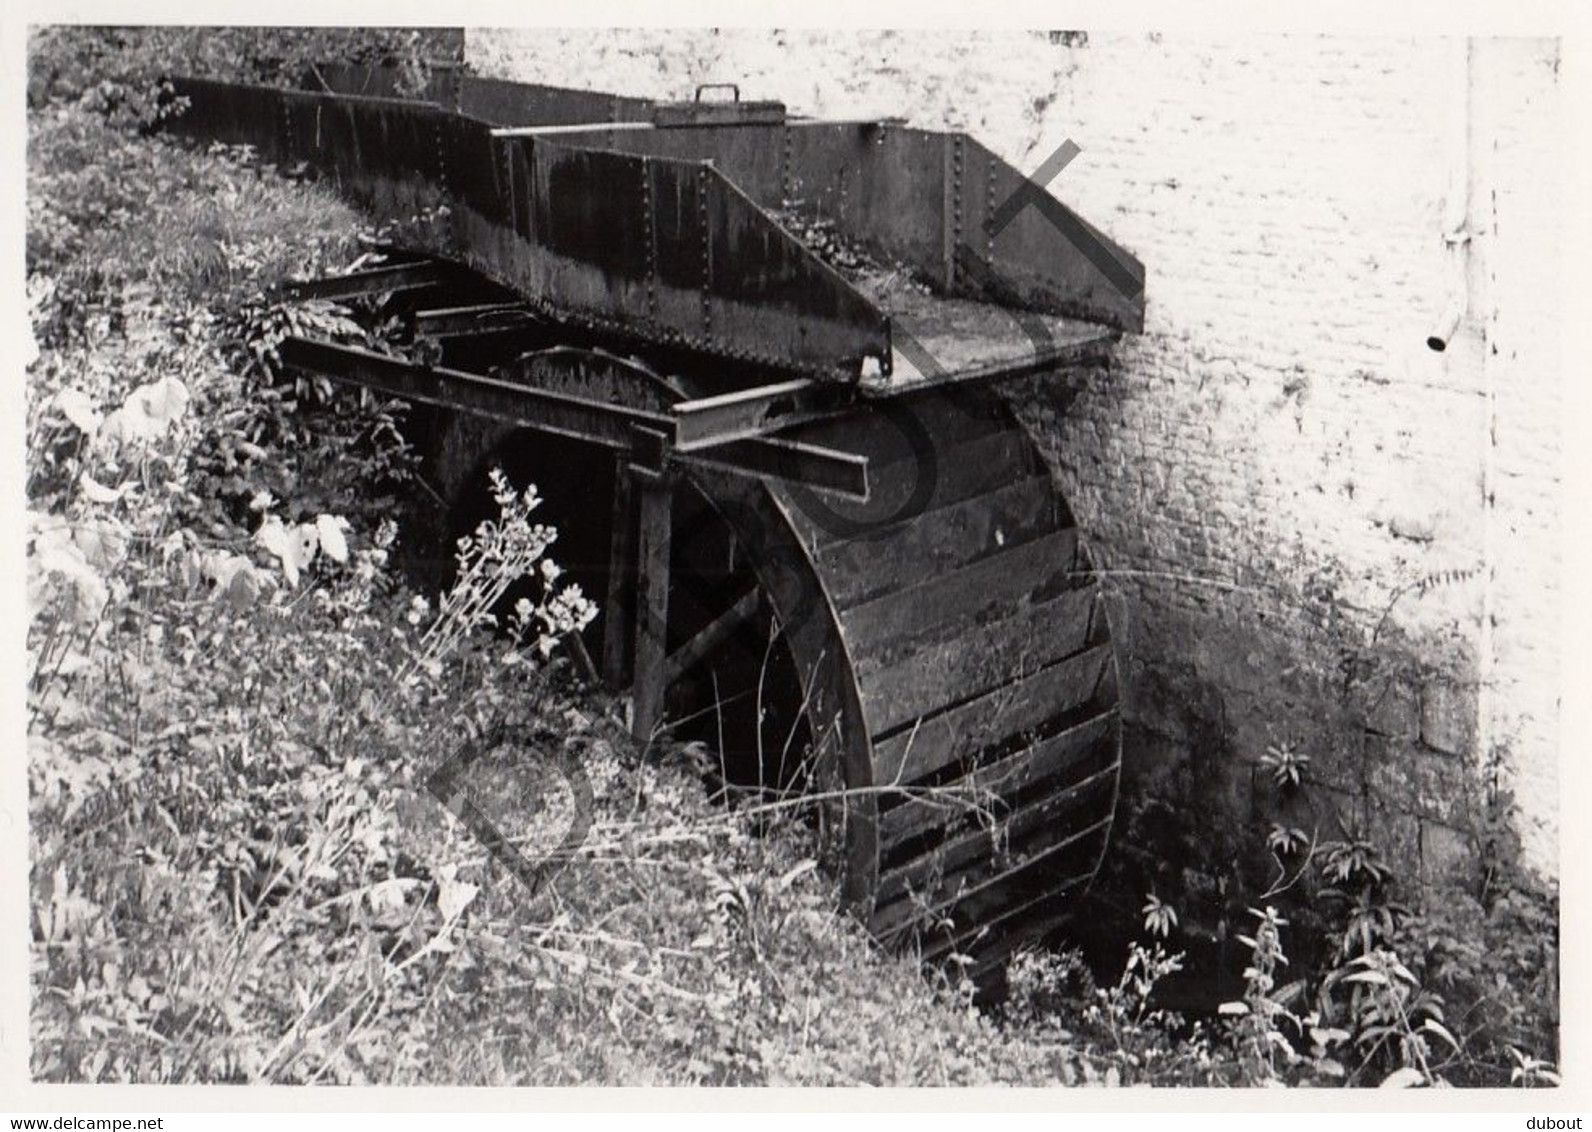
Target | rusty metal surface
(700,112)
(922,197)
(357,78)
(659,249)
(1047,257)
(498,101)
(938,339)
(526,104)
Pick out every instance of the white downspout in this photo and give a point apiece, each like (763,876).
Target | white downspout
(1478,220)
(1456,209)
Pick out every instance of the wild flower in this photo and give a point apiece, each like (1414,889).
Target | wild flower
(503,552)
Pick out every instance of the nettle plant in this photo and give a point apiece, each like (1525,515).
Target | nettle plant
(1375,1009)
(1461,991)
(1458,988)
(1368,1015)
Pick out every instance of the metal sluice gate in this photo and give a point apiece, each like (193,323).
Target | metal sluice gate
(797,327)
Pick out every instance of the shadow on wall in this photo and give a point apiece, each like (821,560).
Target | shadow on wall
(1269,710)
(1250,749)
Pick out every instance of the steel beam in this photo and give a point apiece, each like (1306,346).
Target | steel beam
(745,413)
(574,128)
(559,413)
(453,322)
(842,472)
(596,422)
(375,281)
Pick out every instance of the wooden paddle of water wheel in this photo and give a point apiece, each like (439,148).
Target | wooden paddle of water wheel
(811,469)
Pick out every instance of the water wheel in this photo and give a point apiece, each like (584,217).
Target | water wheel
(941,650)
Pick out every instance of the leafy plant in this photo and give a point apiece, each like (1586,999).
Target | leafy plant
(1495,968)
(501,553)
(1285,841)
(1355,864)
(1530,1072)
(1258,1017)
(1125,1008)
(1159,918)
(1286,763)
(1393,1018)
(118,72)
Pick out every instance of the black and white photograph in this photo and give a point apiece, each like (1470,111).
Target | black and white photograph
(792,558)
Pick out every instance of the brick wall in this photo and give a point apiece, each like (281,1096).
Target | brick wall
(1319,532)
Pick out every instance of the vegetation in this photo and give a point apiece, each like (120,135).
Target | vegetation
(120,71)
(240,873)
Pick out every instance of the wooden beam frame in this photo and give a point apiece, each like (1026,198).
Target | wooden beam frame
(654,534)
(711,636)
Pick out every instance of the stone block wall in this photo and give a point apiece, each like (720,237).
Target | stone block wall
(1320,534)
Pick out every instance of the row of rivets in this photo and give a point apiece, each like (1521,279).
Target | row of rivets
(652,250)
(989,213)
(707,252)
(787,180)
(956,205)
(442,155)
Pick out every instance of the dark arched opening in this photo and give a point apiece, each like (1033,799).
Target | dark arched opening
(739,705)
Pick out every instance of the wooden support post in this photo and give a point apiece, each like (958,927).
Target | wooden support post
(654,528)
(621,580)
(652,606)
